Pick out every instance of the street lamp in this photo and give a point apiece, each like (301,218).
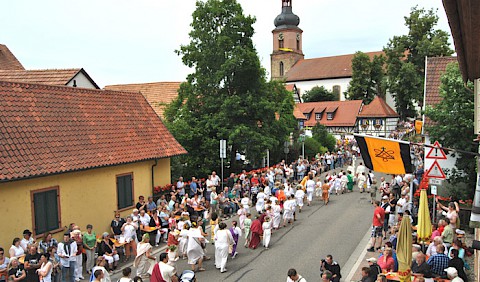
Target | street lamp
(302,139)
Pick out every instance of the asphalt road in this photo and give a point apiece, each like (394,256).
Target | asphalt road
(336,229)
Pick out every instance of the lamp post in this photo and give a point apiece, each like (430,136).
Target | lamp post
(286,150)
(302,139)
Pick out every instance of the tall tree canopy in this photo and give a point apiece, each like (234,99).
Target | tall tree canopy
(319,94)
(227,96)
(367,78)
(454,122)
(406,58)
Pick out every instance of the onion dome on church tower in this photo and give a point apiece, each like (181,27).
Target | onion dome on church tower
(287,19)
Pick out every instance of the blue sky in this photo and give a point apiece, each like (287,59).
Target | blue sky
(120,41)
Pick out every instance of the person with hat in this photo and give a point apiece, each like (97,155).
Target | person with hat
(452,274)
(374,268)
(27,240)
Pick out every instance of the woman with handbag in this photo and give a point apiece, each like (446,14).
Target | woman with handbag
(195,245)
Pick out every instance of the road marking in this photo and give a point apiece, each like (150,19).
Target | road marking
(362,250)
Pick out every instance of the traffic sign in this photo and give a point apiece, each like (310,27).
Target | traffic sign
(223,149)
(436,152)
(433,189)
(435,181)
(435,171)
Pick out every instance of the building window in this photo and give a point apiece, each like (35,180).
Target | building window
(125,190)
(307,116)
(282,71)
(337,90)
(318,116)
(280,43)
(46,210)
(329,116)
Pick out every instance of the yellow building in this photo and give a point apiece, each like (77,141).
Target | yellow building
(71,155)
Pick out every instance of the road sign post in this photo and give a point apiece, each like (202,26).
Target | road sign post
(223,155)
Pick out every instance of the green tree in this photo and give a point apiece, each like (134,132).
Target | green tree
(454,122)
(367,78)
(320,134)
(227,96)
(406,58)
(319,94)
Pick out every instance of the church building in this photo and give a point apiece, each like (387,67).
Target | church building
(288,61)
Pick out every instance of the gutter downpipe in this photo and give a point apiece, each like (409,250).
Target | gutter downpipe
(153,176)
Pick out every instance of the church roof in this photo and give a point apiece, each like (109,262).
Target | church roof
(48,76)
(324,67)
(377,108)
(8,61)
(435,69)
(57,129)
(158,94)
(345,112)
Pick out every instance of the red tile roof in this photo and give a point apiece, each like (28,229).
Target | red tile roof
(157,93)
(290,87)
(8,61)
(345,112)
(324,68)
(58,77)
(378,108)
(56,129)
(435,69)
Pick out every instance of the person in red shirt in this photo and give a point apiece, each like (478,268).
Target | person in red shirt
(377,224)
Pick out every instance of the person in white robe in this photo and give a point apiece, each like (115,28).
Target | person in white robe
(260,206)
(195,251)
(223,240)
(267,232)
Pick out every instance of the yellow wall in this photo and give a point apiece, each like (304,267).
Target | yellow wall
(86,197)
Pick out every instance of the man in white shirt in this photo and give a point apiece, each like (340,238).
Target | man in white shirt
(27,240)
(67,250)
(144,218)
(293,276)
(215,179)
(360,169)
(402,204)
(167,271)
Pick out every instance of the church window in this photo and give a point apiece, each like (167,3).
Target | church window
(282,71)
(280,43)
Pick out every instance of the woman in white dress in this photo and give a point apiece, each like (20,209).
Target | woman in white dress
(289,209)
(144,259)
(223,240)
(245,202)
(195,251)
(267,232)
(45,270)
(260,201)
(299,196)
(276,209)
(310,187)
(182,246)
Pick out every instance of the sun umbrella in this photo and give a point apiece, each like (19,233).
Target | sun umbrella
(404,250)
(424,227)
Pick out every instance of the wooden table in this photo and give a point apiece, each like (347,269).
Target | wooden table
(116,243)
(393,276)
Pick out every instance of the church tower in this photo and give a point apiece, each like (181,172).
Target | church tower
(287,42)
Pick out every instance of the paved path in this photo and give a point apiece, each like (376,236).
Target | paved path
(338,229)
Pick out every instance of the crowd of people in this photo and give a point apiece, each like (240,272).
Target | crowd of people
(444,257)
